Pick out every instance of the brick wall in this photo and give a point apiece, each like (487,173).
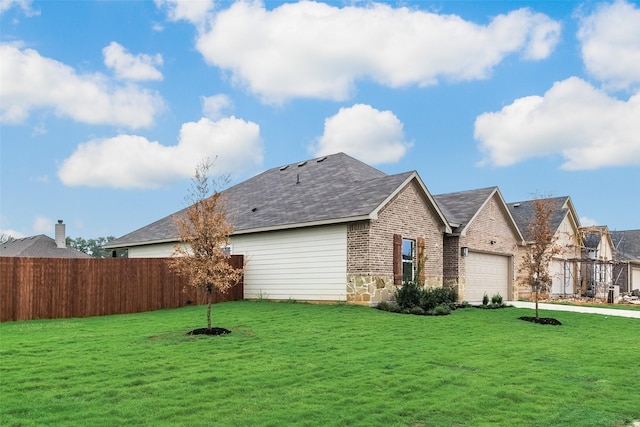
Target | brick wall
(370,246)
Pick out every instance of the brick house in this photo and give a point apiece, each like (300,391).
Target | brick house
(325,229)
(480,253)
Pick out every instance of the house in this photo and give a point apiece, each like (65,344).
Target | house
(41,246)
(626,271)
(327,229)
(481,251)
(564,221)
(597,261)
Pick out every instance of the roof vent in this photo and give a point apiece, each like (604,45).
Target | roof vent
(321,159)
(516,205)
(302,163)
(284,167)
(254,209)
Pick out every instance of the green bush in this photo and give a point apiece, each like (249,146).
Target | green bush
(496,299)
(414,299)
(417,310)
(485,299)
(408,296)
(390,306)
(441,310)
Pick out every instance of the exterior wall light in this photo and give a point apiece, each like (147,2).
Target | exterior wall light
(464,251)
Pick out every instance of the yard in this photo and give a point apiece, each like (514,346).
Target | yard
(303,364)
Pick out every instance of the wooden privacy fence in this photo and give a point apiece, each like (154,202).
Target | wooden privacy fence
(51,288)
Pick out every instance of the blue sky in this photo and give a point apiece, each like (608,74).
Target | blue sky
(107,107)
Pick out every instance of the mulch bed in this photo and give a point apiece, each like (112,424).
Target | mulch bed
(212,331)
(541,320)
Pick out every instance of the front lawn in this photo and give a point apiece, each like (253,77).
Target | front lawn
(290,364)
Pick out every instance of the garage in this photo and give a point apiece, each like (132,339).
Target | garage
(487,273)
(635,278)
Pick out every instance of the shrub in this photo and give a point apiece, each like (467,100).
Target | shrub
(496,299)
(408,295)
(431,298)
(485,299)
(417,310)
(390,306)
(440,310)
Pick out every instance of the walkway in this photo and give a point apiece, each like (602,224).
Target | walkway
(577,308)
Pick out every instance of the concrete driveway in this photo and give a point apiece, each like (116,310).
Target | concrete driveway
(576,308)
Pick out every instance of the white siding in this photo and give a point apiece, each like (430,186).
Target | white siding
(561,281)
(160,250)
(486,273)
(635,278)
(303,264)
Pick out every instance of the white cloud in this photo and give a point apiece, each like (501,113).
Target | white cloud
(362,131)
(585,221)
(214,106)
(43,225)
(129,161)
(31,81)
(131,67)
(25,5)
(611,44)
(193,11)
(310,49)
(583,124)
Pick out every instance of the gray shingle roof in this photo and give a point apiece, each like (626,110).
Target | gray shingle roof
(626,244)
(460,208)
(329,188)
(40,246)
(523,213)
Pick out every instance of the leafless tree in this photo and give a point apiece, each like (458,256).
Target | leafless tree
(203,233)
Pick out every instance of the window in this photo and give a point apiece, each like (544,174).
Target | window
(408,257)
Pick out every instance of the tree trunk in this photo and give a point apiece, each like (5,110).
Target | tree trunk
(209,301)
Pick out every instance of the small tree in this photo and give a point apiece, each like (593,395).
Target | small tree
(540,249)
(203,233)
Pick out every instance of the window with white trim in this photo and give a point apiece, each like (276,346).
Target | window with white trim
(408,260)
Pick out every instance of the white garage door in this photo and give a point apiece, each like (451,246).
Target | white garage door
(486,273)
(635,278)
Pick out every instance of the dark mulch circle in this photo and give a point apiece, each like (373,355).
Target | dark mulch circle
(541,320)
(212,331)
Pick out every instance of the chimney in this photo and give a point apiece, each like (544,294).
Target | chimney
(61,236)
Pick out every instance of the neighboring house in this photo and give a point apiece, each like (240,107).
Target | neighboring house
(626,271)
(564,221)
(331,228)
(481,252)
(597,260)
(41,246)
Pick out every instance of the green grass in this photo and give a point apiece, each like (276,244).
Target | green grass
(325,365)
(634,307)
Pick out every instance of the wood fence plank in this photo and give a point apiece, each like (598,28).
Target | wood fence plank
(50,288)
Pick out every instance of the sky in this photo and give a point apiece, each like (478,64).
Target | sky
(107,107)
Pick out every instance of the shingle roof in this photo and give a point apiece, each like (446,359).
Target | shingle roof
(523,213)
(460,208)
(329,188)
(40,246)
(627,244)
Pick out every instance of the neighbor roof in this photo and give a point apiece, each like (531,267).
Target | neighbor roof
(462,207)
(626,244)
(328,189)
(39,246)
(523,213)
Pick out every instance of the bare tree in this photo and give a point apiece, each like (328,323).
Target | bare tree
(541,248)
(203,233)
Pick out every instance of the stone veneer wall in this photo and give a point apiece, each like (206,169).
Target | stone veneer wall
(491,224)
(370,246)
